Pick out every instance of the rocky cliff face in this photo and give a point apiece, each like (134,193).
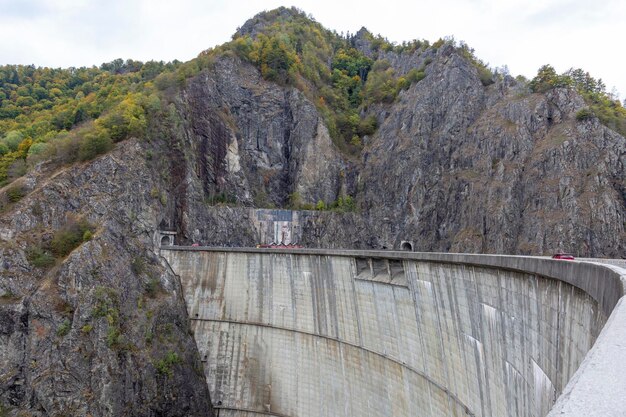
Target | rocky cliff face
(242,139)
(454,165)
(255,140)
(104,331)
(495,169)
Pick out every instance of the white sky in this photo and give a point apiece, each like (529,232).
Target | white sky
(523,34)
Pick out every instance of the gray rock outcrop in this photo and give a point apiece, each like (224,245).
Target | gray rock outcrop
(104,331)
(454,165)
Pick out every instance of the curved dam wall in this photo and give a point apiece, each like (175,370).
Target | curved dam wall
(315,333)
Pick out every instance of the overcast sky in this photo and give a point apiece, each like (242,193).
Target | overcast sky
(523,34)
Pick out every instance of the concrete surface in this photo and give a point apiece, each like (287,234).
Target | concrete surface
(354,333)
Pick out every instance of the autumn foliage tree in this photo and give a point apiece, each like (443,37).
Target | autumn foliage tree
(293,49)
(601,105)
(39,106)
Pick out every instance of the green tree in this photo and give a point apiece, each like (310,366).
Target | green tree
(352,63)
(13,139)
(125,120)
(547,79)
(381,85)
(94,143)
(37,148)
(277,60)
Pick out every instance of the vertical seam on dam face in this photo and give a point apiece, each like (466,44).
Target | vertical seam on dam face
(303,335)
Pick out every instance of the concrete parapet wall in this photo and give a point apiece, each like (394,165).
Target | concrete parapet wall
(353,333)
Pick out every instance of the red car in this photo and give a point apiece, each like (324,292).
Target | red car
(564,256)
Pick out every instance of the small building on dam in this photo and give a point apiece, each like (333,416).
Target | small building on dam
(319,333)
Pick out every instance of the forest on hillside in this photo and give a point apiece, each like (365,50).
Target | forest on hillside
(74,114)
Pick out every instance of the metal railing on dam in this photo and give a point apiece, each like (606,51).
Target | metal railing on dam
(369,333)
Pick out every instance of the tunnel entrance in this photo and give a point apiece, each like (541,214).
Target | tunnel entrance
(166,238)
(406,245)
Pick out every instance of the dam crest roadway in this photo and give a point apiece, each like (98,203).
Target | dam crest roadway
(330,333)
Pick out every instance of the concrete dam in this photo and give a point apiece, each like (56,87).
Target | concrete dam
(304,333)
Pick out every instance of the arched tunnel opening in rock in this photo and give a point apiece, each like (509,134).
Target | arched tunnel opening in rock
(330,335)
(406,246)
